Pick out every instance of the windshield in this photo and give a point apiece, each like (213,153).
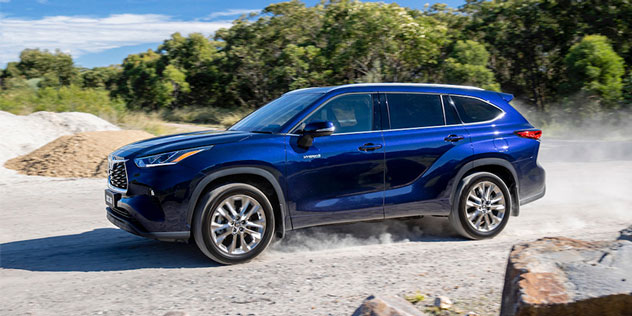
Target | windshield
(275,114)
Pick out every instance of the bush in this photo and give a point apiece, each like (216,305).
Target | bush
(65,99)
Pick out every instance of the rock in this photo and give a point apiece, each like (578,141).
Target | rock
(471,314)
(626,234)
(386,305)
(443,302)
(562,276)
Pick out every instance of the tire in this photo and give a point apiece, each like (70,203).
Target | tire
(232,241)
(476,215)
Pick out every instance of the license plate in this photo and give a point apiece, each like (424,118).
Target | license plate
(110,200)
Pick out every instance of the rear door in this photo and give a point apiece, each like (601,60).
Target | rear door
(424,145)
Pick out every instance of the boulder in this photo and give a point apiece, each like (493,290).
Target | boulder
(386,306)
(563,276)
(626,234)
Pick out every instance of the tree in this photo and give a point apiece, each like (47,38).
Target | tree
(528,39)
(595,68)
(100,77)
(385,42)
(56,69)
(468,65)
(192,67)
(141,83)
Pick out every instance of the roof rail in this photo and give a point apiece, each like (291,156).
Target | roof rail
(425,85)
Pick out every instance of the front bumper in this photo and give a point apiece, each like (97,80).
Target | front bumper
(124,216)
(131,227)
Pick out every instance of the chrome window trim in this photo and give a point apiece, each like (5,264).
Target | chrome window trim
(501,115)
(293,129)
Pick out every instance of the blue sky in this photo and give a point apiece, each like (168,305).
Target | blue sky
(100,33)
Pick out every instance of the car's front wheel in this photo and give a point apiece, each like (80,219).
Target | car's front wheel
(483,206)
(233,223)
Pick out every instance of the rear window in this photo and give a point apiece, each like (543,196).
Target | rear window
(409,110)
(472,110)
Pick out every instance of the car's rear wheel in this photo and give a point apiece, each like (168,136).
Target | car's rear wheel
(483,206)
(233,223)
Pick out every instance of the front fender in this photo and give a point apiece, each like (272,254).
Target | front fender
(241,170)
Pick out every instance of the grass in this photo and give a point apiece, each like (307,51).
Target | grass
(26,100)
(65,99)
(415,298)
(154,123)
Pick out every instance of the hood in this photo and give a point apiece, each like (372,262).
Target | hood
(168,143)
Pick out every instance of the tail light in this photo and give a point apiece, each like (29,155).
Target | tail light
(532,134)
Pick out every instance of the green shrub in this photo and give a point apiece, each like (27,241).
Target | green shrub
(64,99)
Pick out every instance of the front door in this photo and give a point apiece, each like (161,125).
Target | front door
(340,177)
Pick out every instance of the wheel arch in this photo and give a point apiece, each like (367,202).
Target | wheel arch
(500,167)
(257,176)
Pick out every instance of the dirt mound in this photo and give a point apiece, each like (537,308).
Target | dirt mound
(21,134)
(81,155)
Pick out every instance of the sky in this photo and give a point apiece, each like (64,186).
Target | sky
(101,33)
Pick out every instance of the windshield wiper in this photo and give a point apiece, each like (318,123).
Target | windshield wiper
(262,132)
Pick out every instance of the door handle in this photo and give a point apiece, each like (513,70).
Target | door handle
(453,138)
(369,147)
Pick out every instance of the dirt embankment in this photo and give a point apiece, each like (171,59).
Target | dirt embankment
(80,155)
(21,134)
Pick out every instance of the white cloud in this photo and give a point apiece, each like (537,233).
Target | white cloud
(79,35)
(5,1)
(231,12)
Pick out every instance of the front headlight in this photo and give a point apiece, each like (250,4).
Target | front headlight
(170,158)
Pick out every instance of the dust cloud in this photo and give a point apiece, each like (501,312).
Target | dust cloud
(365,233)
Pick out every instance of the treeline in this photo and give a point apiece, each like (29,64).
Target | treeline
(568,54)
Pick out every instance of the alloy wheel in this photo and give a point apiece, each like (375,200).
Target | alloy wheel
(238,224)
(485,206)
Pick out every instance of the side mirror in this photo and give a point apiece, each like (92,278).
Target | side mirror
(315,129)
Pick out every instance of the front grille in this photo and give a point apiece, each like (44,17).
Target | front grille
(118,175)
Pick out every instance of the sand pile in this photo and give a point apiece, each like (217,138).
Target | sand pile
(21,134)
(80,155)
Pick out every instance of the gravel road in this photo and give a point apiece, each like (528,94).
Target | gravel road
(60,256)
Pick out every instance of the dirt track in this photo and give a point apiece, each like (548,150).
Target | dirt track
(59,255)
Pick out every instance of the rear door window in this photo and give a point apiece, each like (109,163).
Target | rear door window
(409,110)
(473,110)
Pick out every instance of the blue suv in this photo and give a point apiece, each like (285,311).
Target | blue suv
(330,155)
